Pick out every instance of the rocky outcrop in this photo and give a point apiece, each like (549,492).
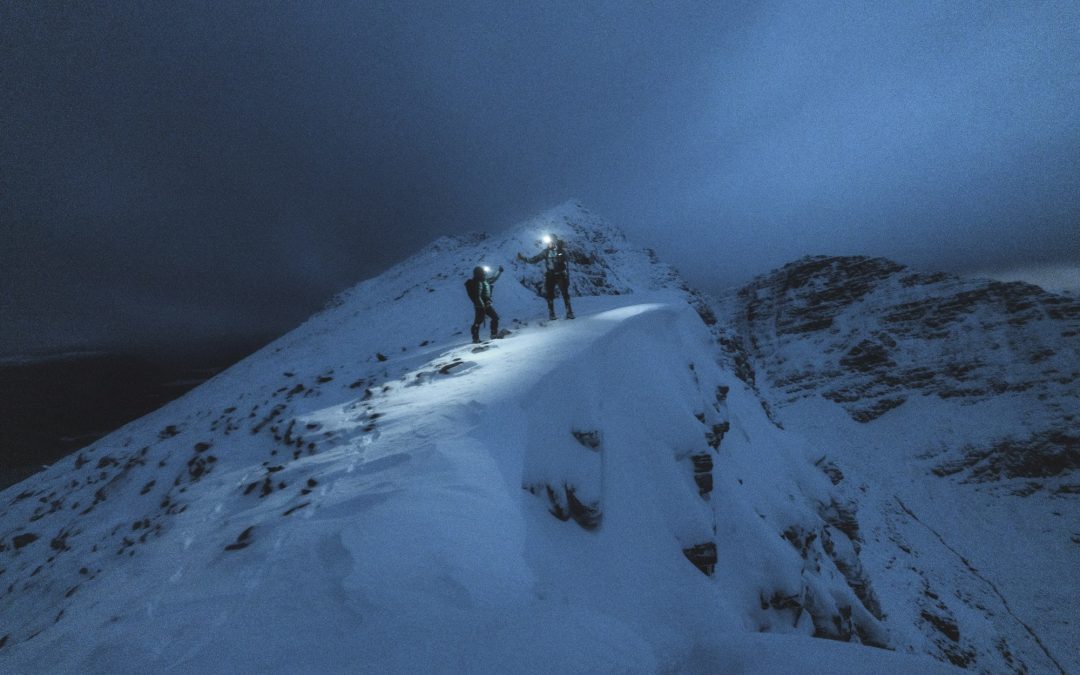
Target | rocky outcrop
(870,335)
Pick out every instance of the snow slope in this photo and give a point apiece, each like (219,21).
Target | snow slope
(371,493)
(948,408)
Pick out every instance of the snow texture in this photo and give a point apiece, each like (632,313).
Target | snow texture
(373,493)
(946,410)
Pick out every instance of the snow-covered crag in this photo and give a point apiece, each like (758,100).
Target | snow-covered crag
(952,407)
(372,493)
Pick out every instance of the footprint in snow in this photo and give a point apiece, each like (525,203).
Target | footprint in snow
(456,367)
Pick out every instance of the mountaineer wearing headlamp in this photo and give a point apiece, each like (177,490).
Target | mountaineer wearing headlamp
(479,290)
(556,273)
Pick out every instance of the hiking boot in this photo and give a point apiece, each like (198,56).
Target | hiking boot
(552,317)
(569,314)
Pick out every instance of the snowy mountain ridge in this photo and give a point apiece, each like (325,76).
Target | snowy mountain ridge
(371,492)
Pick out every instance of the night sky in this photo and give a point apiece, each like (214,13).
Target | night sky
(179,173)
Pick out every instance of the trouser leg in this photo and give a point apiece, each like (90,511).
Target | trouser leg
(478,318)
(494,321)
(564,288)
(549,293)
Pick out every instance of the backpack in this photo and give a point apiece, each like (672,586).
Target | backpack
(558,265)
(472,287)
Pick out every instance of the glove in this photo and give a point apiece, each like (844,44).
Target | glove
(500,268)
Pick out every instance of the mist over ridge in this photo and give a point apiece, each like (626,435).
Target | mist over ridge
(176,176)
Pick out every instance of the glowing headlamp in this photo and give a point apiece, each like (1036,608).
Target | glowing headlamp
(486,268)
(547,239)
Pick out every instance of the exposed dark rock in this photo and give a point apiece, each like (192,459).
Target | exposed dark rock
(716,435)
(1047,454)
(780,601)
(198,467)
(589,439)
(703,465)
(21,540)
(945,625)
(841,515)
(564,504)
(800,539)
(703,556)
(243,540)
(587,515)
(831,470)
(708,317)
(557,508)
(59,542)
(273,414)
(168,432)
(296,508)
(868,356)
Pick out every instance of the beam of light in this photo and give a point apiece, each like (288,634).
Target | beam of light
(547,239)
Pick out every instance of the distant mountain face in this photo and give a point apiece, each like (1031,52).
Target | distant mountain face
(870,335)
(950,410)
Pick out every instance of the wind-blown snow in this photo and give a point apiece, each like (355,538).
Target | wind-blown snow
(372,493)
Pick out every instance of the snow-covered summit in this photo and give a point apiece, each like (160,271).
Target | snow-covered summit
(371,492)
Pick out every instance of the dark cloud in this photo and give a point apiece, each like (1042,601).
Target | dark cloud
(173,172)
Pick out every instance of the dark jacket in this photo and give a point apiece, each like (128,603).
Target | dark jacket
(555,260)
